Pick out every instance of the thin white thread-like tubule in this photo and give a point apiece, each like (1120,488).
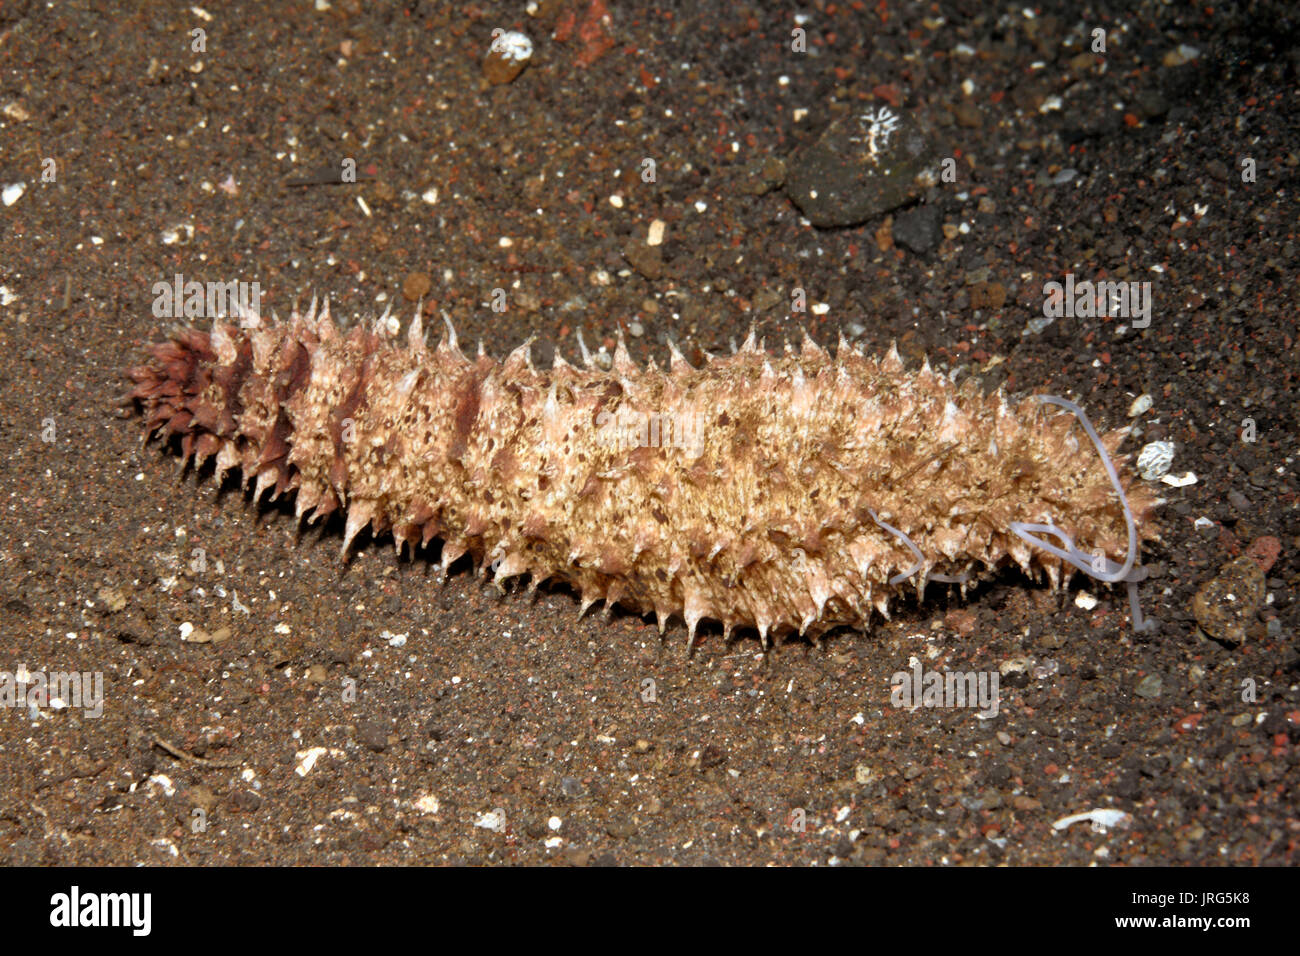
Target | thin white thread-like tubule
(1110,571)
(920,558)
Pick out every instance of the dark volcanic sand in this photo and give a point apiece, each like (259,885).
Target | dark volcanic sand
(517,704)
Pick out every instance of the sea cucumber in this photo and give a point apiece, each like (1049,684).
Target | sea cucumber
(813,490)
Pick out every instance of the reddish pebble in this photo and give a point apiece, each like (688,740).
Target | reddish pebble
(1264,551)
(961,620)
(889,93)
(1188,723)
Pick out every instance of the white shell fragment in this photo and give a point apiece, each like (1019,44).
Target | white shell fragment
(307,758)
(1140,405)
(513,45)
(1154,459)
(1100,819)
(494,820)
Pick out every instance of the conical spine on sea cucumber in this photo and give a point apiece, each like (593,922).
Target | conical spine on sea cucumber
(793,492)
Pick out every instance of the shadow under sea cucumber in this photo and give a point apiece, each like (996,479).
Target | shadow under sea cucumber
(813,491)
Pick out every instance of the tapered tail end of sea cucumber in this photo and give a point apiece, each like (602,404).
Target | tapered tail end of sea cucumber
(164,386)
(182,392)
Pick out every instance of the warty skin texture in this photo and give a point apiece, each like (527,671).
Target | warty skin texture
(772,516)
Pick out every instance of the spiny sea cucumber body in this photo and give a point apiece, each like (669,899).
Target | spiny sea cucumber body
(780,492)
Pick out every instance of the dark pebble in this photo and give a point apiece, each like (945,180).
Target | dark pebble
(373,735)
(919,228)
(246,801)
(838,181)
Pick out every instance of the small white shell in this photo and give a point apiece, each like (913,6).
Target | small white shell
(1154,459)
(513,45)
(1140,405)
